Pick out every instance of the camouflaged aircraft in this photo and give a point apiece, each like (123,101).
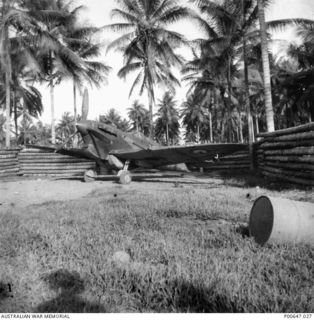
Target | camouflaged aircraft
(116,150)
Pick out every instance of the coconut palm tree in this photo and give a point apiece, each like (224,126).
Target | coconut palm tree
(81,40)
(6,62)
(112,117)
(147,44)
(66,127)
(193,114)
(56,59)
(18,21)
(137,114)
(167,123)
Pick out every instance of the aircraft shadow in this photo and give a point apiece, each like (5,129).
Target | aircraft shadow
(69,286)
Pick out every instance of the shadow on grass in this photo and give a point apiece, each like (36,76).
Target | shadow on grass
(5,291)
(198,299)
(69,286)
(152,293)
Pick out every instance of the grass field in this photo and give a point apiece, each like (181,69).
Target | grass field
(188,247)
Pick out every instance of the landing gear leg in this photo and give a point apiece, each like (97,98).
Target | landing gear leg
(124,175)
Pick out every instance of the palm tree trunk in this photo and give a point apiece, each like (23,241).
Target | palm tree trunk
(5,54)
(210,127)
(240,127)
(229,100)
(74,102)
(15,115)
(198,134)
(151,124)
(256,124)
(52,104)
(266,68)
(7,110)
(167,134)
(24,120)
(247,90)
(75,138)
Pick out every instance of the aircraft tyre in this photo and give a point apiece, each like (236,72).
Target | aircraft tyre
(90,175)
(125,177)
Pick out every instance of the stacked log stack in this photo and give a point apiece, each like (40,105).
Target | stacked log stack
(9,162)
(288,155)
(39,162)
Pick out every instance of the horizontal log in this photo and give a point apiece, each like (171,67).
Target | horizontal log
(75,174)
(301,136)
(57,160)
(35,150)
(53,169)
(291,166)
(294,151)
(44,155)
(294,173)
(56,168)
(9,170)
(58,164)
(286,145)
(292,159)
(247,159)
(8,156)
(226,167)
(10,166)
(69,173)
(4,162)
(302,128)
(289,179)
(9,151)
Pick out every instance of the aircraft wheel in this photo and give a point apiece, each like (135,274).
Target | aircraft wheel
(90,175)
(125,177)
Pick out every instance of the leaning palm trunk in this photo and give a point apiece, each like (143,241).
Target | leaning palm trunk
(266,68)
(52,105)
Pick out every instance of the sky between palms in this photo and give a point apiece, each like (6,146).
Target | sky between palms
(115,93)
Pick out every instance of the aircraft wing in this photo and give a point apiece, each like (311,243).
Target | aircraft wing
(160,156)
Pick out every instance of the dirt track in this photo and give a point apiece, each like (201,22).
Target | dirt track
(21,192)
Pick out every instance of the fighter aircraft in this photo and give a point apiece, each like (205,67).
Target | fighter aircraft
(114,149)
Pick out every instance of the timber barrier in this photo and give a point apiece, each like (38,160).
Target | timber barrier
(39,162)
(9,165)
(288,155)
